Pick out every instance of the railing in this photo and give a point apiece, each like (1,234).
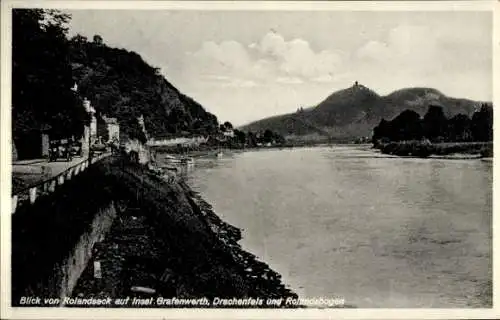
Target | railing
(32,193)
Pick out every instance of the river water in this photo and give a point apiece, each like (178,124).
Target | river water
(347,222)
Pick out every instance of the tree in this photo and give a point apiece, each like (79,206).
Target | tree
(239,136)
(42,79)
(482,124)
(406,126)
(228,125)
(268,136)
(459,128)
(251,139)
(97,39)
(434,123)
(382,131)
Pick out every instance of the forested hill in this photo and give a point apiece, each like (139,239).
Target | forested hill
(121,84)
(353,112)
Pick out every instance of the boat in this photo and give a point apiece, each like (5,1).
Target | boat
(172,160)
(187,161)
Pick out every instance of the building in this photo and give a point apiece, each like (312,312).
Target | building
(113,128)
(44,131)
(141,122)
(89,132)
(229,133)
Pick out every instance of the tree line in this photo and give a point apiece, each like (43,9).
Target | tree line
(42,99)
(250,139)
(436,127)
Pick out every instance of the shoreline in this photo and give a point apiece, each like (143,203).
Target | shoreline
(130,253)
(213,150)
(445,150)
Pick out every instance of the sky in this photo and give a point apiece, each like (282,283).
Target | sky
(247,65)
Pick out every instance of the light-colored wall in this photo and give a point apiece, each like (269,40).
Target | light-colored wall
(85,140)
(176,141)
(45,145)
(79,257)
(142,150)
(113,131)
(93,127)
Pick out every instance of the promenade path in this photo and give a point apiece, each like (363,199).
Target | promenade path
(29,172)
(38,177)
(26,173)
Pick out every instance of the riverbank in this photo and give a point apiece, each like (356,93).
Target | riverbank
(212,151)
(167,243)
(454,150)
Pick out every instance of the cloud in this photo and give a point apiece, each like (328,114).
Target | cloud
(272,59)
(273,44)
(240,83)
(296,57)
(227,81)
(404,45)
(219,58)
(334,77)
(289,80)
(374,50)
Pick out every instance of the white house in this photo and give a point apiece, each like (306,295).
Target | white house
(113,128)
(229,133)
(90,132)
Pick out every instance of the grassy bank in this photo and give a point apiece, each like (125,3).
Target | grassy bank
(423,150)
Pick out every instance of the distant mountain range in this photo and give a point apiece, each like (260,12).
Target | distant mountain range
(353,112)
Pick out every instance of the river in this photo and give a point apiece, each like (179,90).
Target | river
(348,222)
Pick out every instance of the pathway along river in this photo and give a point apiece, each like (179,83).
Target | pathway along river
(345,221)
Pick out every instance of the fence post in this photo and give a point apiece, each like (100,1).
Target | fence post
(33,194)
(60,179)
(14,204)
(52,186)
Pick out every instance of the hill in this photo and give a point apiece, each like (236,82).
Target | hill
(354,111)
(121,84)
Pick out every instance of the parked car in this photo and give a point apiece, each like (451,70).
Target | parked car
(76,148)
(98,147)
(60,149)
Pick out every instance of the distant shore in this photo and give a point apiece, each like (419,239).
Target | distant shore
(213,150)
(445,150)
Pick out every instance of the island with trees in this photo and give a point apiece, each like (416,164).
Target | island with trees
(408,134)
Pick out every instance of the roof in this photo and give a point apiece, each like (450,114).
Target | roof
(109,120)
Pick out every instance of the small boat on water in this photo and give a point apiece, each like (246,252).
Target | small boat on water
(187,161)
(172,159)
(179,160)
